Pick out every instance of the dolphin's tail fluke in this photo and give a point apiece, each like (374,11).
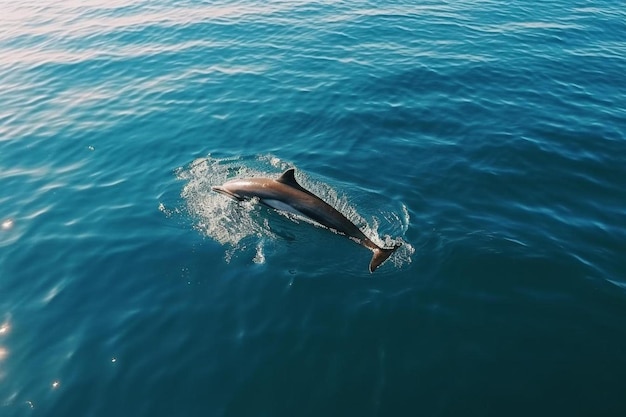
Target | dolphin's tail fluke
(381,255)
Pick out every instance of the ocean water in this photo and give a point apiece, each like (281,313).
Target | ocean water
(487,137)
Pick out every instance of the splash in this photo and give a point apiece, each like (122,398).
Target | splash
(217,217)
(243,226)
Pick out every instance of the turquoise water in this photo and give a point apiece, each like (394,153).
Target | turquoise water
(488,137)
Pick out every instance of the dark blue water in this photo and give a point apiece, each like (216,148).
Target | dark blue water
(488,137)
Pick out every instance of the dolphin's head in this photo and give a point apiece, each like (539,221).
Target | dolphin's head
(222,189)
(240,189)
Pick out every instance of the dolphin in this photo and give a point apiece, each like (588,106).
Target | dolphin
(285,194)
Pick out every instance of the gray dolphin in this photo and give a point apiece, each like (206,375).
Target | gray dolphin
(285,194)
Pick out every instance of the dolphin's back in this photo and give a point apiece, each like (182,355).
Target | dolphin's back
(317,209)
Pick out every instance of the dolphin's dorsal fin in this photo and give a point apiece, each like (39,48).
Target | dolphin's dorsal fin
(289,178)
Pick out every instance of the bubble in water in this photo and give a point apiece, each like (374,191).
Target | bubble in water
(259,258)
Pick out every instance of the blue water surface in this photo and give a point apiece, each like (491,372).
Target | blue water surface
(487,137)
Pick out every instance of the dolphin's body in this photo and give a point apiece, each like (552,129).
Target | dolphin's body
(285,194)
